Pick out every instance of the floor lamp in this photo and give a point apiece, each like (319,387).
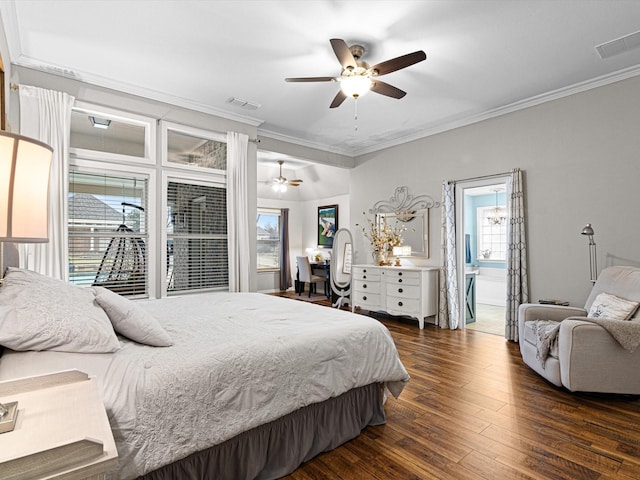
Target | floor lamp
(593,265)
(25,165)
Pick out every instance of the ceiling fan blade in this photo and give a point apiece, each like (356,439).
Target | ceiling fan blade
(338,99)
(386,89)
(399,62)
(343,53)
(311,79)
(295,182)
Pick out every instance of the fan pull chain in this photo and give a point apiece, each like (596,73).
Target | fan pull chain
(355,116)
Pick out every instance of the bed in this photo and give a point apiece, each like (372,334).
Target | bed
(247,385)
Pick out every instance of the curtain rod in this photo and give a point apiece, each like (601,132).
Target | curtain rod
(482,177)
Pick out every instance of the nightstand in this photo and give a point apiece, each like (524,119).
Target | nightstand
(61,432)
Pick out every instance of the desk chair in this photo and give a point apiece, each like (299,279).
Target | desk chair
(306,276)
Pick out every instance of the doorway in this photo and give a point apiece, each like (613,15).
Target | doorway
(482,220)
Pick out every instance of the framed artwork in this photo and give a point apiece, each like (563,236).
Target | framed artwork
(327,225)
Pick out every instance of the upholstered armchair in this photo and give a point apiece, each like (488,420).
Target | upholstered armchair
(585,356)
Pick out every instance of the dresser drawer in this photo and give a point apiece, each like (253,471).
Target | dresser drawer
(369,286)
(402,277)
(364,273)
(403,306)
(403,291)
(366,300)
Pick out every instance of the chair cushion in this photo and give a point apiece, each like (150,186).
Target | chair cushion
(623,282)
(612,307)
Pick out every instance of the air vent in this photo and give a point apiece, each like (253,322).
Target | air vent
(238,102)
(621,45)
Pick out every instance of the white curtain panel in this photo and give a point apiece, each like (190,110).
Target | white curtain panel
(46,116)
(517,283)
(449,311)
(238,212)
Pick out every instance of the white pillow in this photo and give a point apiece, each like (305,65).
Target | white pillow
(130,320)
(612,307)
(50,314)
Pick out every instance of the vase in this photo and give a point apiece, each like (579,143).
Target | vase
(380,257)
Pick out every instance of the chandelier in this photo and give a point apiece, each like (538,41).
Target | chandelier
(497,215)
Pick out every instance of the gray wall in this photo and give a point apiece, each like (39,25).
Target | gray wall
(581,161)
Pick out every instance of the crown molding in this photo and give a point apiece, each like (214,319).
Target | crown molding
(304,143)
(34,64)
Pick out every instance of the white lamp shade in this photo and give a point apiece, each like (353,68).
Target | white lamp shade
(402,251)
(355,86)
(24,189)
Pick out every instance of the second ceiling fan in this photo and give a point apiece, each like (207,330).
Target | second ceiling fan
(357,77)
(280,183)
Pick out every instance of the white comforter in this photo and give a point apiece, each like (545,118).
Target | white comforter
(239,361)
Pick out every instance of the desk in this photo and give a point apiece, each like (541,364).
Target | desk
(326,272)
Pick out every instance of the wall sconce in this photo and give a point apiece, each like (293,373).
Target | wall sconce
(25,164)
(401,251)
(593,265)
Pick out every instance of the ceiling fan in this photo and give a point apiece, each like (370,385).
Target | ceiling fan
(358,77)
(280,183)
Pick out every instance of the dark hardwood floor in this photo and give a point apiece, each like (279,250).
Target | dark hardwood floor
(473,410)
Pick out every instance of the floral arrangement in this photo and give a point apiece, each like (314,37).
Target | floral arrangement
(383,237)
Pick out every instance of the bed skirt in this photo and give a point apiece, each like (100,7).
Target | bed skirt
(277,448)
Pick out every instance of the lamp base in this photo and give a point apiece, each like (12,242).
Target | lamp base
(8,422)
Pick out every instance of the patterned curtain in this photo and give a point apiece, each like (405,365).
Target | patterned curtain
(517,283)
(449,312)
(285,264)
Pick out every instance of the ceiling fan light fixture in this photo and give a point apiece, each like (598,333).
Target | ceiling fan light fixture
(279,187)
(356,85)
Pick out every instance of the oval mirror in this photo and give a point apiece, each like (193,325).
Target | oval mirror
(340,273)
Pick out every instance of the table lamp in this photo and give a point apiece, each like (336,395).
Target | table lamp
(25,165)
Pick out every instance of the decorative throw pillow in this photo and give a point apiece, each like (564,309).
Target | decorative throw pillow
(612,307)
(130,320)
(49,314)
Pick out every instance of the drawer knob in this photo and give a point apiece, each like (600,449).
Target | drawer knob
(399,280)
(399,304)
(364,271)
(364,277)
(399,274)
(399,290)
(364,285)
(364,297)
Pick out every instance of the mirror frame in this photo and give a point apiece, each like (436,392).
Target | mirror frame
(406,218)
(406,207)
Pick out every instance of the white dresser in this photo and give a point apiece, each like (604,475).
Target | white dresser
(411,291)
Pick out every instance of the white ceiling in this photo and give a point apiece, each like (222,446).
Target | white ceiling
(483,57)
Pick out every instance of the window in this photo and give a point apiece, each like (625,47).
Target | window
(196,249)
(144,224)
(268,243)
(108,231)
(108,135)
(192,148)
(492,237)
